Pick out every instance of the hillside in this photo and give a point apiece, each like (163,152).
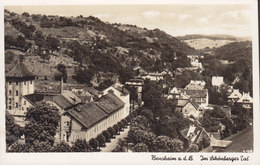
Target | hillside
(199,41)
(90,45)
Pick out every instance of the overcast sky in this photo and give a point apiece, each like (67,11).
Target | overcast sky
(173,19)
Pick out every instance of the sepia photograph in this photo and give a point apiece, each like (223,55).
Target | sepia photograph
(131,78)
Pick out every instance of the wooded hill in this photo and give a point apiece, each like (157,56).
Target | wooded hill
(95,45)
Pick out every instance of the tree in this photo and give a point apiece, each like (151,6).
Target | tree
(13,130)
(40,147)
(84,76)
(25,14)
(43,121)
(101,140)
(18,147)
(62,68)
(140,147)
(107,135)
(94,144)
(116,128)
(120,125)
(62,147)
(111,131)
(81,145)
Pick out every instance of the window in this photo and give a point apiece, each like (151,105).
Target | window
(16,93)
(24,103)
(16,105)
(10,92)
(68,123)
(25,83)
(10,107)
(22,109)
(31,82)
(10,101)
(16,83)
(10,82)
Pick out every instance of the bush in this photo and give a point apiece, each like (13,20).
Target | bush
(125,122)
(116,128)
(111,131)
(107,135)
(81,145)
(120,125)
(140,147)
(17,147)
(94,144)
(62,147)
(101,140)
(41,147)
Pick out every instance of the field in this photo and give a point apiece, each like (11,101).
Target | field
(203,43)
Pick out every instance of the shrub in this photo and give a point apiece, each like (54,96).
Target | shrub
(17,147)
(62,147)
(81,145)
(107,135)
(116,128)
(111,131)
(94,144)
(101,140)
(120,125)
(140,147)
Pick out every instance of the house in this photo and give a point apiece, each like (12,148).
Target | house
(121,92)
(194,134)
(188,108)
(153,76)
(174,93)
(88,120)
(217,81)
(19,83)
(234,96)
(201,97)
(246,100)
(196,85)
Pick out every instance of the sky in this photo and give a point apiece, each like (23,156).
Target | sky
(176,20)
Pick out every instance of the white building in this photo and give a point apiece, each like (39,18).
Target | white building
(217,81)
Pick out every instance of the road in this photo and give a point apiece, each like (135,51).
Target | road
(112,145)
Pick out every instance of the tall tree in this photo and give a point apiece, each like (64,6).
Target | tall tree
(43,121)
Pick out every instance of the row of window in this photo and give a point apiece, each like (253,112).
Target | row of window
(10,82)
(16,92)
(16,106)
(10,101)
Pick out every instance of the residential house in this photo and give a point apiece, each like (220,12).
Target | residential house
(246,100)
(201,97)
(196,85)
(174,93)
(234,96)
(188,108)
(154,76)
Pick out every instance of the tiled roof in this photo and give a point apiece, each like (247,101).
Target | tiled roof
(34,98)
(87,114)
(19,71)
(241,141)
(110,103)
(71,97)
(182,103)
(195,93)
(62,102)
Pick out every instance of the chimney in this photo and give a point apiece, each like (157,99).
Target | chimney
(61,84)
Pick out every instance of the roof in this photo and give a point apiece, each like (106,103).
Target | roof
(71,97)
(34,98)
(246,98)
(235,94)
(110,103)
(19,71)
(121,88)
(195,93)
(182,103)
(62,102)
(241,141)
(87,114)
